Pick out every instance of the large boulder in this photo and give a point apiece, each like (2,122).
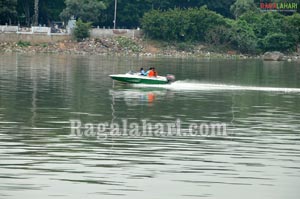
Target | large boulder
(273,56)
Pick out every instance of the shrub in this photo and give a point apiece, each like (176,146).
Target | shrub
(23,43)
(277,41)
(252,32)
(82,30)
(274,31)
(237,35)
(242,37)
(181,25)
(218,35)
(292,27)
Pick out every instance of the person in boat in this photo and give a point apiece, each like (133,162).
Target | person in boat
(154,72)
(148,71)
(151,72)
(142,72)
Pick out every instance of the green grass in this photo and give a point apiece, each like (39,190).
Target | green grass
(23,43)
(128,44)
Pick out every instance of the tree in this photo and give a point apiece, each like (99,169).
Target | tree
(87,10)
(36,13)
(8,12)
(25,10)
(130,12)
(50,10)
(242,6)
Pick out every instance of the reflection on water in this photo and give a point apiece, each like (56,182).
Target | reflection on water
(135,97)
(39,159)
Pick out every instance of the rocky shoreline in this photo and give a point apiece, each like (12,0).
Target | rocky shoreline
(125,47)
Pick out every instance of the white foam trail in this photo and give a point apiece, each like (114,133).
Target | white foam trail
(197,86)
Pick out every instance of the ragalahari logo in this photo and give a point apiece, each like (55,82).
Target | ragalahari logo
(280,7)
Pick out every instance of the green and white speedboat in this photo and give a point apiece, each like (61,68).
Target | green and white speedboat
(137,78)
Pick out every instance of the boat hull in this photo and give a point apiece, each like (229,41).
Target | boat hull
(138,79)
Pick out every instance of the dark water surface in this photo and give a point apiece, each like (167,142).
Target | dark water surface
(40,94)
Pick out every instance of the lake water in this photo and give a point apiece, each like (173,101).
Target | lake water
(257,157)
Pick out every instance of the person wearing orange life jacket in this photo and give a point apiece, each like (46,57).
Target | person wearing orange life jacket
(154,72)
(150,72)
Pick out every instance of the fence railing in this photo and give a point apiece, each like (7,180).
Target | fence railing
(95,32)
(34,30)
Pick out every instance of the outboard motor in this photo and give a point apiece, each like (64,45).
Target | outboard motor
(170,78)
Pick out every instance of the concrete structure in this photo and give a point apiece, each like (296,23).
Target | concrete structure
(100,33)
(32,38)
(37,34)
(41,30)
(8,28)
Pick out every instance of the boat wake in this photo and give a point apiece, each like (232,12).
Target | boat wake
(188,85)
